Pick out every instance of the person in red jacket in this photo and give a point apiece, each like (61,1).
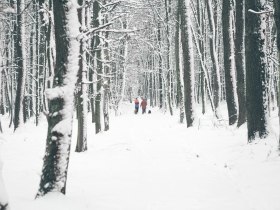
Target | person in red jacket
(144,105)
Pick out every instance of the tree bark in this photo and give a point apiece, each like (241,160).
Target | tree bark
(240,60)
(256,95)
(277,21)
(169,78)
(187,44)
(214,57)
(21,62)
(229,61)
(61,99)
(160,73)
(180,96)
(106,84)
(82,94)
(99,67)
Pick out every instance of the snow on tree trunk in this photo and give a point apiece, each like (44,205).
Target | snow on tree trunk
(4,204)
(214,57)
(124,53)
(169,70)
(229,61)
(256,91)
(99,67)
(188,56)
(82,94)
(106,83)
(61,99)
(21,62)
(180,96)
(160,73)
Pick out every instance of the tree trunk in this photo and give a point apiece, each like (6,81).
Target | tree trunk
(240,60)
(277,21)
(214,57)
(21,62)
(82,94)
(61,99)
(106,84)
(229,61)
(160,73)
(99,67)
(187,44)
(256,96)
(169,78)
(180,96)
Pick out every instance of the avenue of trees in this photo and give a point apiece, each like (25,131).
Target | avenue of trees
(64,59)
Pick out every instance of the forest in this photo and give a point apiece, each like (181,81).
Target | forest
(70,71)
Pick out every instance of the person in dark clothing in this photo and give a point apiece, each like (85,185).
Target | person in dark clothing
(144,105)
(136,102)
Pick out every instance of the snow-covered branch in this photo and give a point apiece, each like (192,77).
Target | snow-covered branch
(92,30)
(259,12)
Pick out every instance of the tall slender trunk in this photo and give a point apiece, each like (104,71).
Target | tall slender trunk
(169,78)
(106,84)
(201,26)
(277,21)
(214,57)
(82,90)
(38,68)
(180,96)
(160,73)
(187,44)
(240,60)
(229,61)
(99,67)
(21,62)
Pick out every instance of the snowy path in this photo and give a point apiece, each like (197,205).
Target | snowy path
(150,162)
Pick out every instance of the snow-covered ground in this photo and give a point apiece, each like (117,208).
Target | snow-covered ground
(149,162)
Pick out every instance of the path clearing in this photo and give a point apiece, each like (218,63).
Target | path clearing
(150,162)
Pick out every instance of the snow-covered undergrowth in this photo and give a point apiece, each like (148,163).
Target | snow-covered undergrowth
(149,162)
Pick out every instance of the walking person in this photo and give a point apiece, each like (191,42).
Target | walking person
(136,102)
(144,105)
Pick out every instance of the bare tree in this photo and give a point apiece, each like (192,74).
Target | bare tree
(187,44)
(277,21)
(21,62)
(82,95)
(256,91)
(61,99)
(240,59)
(229,61)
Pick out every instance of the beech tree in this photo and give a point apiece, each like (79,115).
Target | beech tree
(99,67)
(180,96)
(21,63)
(277,21)
(214,57)
(82,95)
(61,99)
(187,44)
(240,59)
(229,61)
(256,91)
